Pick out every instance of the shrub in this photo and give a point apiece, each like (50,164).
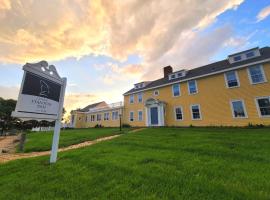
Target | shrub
(126,125)
(98,126)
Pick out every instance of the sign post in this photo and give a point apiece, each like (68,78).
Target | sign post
(41,97)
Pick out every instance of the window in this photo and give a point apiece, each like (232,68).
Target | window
(86,118)
(140,98)
(192,87)
(72,119)
(98,117)
(92,118)
(263,105)
(173,76)
(131,116)
(131,98)
(232,79)
(140,115)
(237,58)
(106,116)
(176,90)
(156,93)
(115,115)
(238,109)
(256,74)
(195,112)
(250,54)
(178,113)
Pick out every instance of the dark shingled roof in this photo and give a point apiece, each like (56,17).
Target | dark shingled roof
(207,69)
(86,109)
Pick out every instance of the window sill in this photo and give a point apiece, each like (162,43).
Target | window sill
(258,83)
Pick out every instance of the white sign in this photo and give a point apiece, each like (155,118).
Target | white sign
(41,97)
(40,94)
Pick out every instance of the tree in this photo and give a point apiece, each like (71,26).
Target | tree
(6,108)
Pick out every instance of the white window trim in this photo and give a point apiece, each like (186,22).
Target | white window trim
(156,91)
(192,112)
(249,75)
(130,115)
(138,97)
(179,90)
(244,106)
(175,113)
(196,87)
(116,117)
(139,115)
(130,99)
(226,80)
(258,107)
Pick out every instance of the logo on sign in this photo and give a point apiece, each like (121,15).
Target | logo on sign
(44,89)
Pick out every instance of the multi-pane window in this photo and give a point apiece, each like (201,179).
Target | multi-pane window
(176,90)
(178,113)
(115,115)
(140,97)
(140,115)
(250,54)
(256,74)
(131,116)
(92,118)
(106,116)
(98,117)
(131,98)
(237,58)
(238,109)
(263,104)
(192,87)
(232,79)
(195,112)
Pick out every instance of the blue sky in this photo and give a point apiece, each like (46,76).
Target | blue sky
(104,53)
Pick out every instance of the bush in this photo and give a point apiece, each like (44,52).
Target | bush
(126,125)
(98,126)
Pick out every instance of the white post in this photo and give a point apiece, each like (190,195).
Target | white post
(57,127)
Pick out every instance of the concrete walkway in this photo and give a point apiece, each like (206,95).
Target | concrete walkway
(14,156)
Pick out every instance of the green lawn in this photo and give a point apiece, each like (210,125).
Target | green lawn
(160,163)
(42,141)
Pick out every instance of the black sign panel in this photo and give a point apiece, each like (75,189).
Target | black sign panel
(38,86)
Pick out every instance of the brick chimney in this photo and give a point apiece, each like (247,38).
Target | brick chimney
(167,70)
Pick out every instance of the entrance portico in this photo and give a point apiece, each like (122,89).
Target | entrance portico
(154,110)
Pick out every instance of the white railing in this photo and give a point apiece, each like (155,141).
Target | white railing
(107,107)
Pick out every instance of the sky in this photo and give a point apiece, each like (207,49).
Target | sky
(104,47)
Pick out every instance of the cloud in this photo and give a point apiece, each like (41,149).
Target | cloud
(264,13)
(9,92)
(193,49)
(53,30)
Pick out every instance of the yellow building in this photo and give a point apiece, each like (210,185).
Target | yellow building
(231,92)
(98,114)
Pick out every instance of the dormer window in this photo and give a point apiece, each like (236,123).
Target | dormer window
(250,54)
(237,58)
(175,75)
(244,55)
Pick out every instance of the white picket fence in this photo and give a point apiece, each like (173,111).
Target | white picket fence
(41,129)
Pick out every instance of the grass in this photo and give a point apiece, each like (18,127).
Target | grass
(161,163)
(42,141)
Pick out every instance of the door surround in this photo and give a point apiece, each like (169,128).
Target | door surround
(150,103)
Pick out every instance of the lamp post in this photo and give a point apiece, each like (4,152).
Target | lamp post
(120,120)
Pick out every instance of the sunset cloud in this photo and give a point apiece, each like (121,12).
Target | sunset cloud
(53,30)
(264,13)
